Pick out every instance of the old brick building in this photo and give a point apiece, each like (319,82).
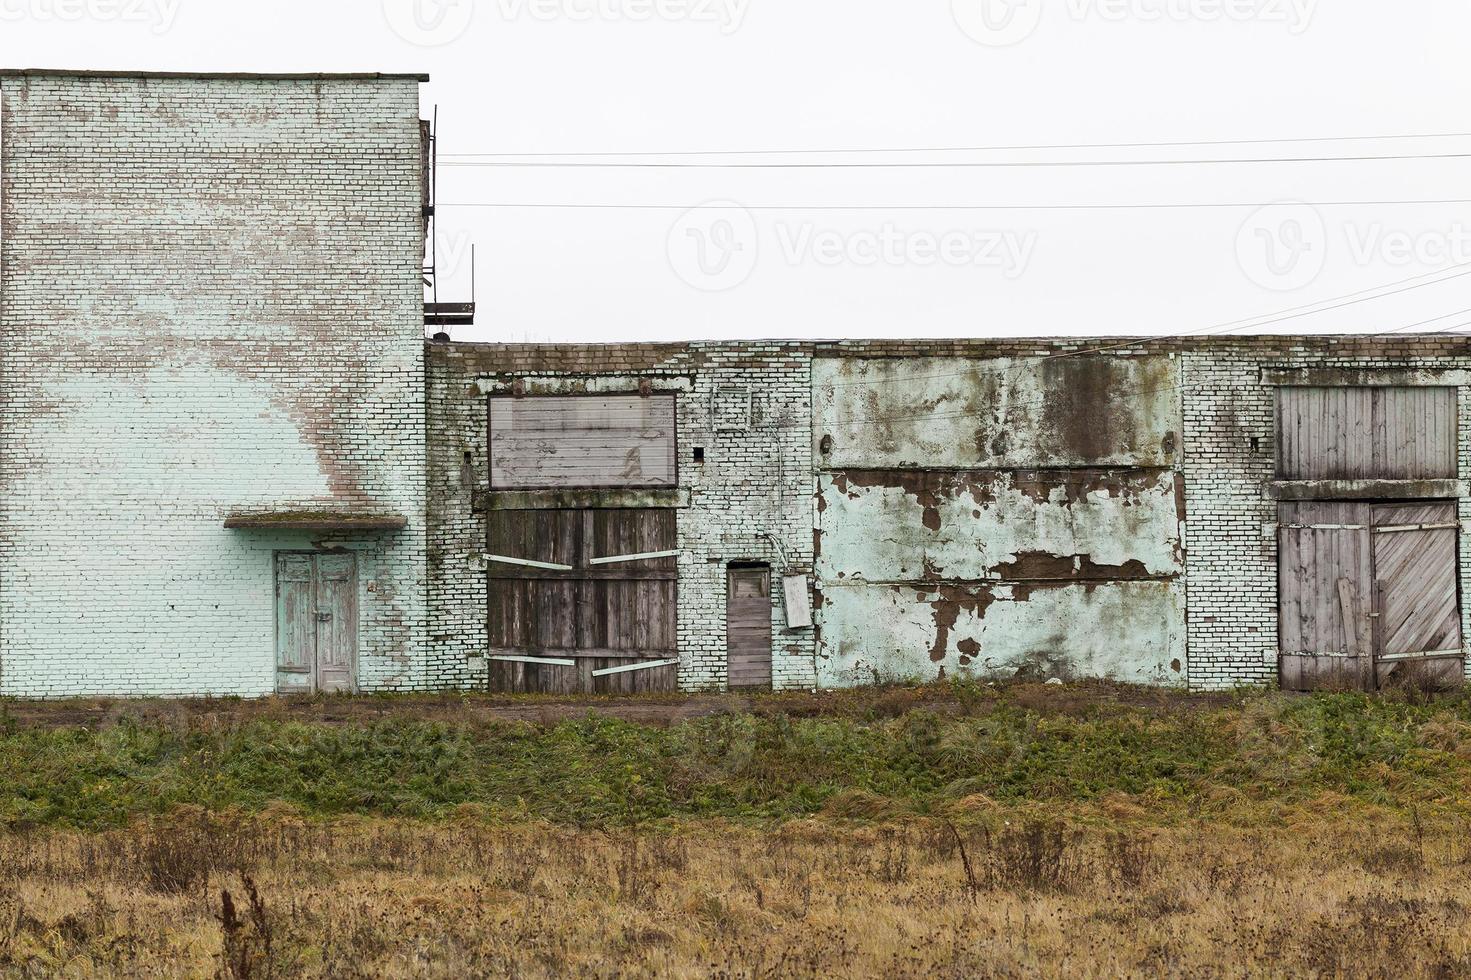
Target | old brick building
(1211,512)
(211,335)
(232,465)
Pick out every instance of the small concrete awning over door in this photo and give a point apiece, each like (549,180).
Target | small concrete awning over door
(321,521)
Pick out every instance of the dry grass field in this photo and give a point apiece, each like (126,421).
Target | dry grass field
(931,833)
(1323,896)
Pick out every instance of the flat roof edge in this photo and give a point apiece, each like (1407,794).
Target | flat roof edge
(214,75)
(858,343)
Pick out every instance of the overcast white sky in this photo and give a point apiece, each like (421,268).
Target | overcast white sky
(633,76)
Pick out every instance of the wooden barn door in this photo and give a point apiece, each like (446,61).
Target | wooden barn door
(1416,565)
(748,627)
(1326,596)
(583,601)
(1370,596)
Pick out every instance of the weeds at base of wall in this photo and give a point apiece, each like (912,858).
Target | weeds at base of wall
(886,755)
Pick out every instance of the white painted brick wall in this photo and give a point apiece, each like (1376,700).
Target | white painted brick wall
(211,301)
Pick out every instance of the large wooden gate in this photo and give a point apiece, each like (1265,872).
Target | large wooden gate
(583,601)
(1370,595)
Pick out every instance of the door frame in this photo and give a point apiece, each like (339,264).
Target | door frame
(315,674)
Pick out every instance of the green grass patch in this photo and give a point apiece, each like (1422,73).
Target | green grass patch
(1258,749)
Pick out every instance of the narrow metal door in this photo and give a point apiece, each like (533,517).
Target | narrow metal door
(316,623)
(748,627)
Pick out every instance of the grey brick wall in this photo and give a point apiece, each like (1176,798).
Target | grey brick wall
(761,479)
(1231,526)
(211,302)
(755,483)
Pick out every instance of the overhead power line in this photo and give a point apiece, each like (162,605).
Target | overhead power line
(535,205)
(958,164)
(1014,148)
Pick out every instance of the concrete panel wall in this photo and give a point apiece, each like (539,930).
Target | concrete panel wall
(1125,631)
(1001,413)
(210,303)
(917,525)
(944,476)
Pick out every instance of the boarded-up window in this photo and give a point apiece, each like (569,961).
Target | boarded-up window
(1367,433)
(582,442)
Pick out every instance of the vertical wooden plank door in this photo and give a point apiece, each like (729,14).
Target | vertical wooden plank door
(1416,566)
(748,627)
(316,623)
(1326,595)
(1370,596)
(583,601)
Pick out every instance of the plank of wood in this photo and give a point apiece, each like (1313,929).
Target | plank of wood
(576,442)
(1348,602)
(633,668)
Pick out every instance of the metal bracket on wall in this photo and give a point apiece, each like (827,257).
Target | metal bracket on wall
(1406,528)
(1434,655)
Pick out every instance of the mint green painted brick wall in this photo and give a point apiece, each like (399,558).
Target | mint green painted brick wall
(210,301)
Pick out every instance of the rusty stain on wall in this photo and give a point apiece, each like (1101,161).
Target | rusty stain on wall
(919,525)
(1125,631)
(1000,518)
(998,413)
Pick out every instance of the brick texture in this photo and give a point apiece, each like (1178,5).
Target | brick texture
(751,499)
(211,302)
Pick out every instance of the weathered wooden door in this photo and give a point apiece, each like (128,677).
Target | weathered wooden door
(1418,595)
(1327,574)
(583,601)
(1369,595)
(316,623)
(748,627)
